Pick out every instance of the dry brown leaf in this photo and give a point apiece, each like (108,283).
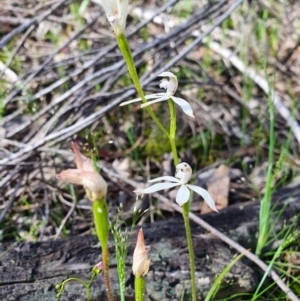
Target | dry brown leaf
(218,187)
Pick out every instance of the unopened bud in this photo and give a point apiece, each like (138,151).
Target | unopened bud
(140,265)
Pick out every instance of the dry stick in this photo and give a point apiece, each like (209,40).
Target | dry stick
(217,233)
(196,42)
(183,31)
(105,73)
(65,219)
(49,59)
(23,154)
(87,65)
(262,83)
(11,200)
(155,14)
(18,157)
(13,20)
(99,55)
(16,50)
(270,272)
(34,21)
(62,97)
(140,50)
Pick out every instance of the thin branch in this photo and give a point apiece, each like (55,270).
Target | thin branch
(6,39)
(262,83)
(196,42)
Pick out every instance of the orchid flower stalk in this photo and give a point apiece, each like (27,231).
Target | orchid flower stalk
(116,12)
(126,52)
(182,177)
(115,15)
(96,189)
(170,85)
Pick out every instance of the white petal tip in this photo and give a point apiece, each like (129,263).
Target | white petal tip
(213,208)
(167,74)
(129,102)
(144,105)
(124,103)
(139,192)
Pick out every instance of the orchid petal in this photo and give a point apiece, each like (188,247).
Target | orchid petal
(72,176)
(164,178)
(116,12)
(87,165)
(82,163)
(183,195)
(154,95)
(167,74)
(78,156)
(129,101)
(165,97)
(206,196)
(151,96)
(123,12)
(185,106)
(156,187)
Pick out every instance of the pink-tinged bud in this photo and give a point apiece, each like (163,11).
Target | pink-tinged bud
(85,175)
(140,265)
(98,268)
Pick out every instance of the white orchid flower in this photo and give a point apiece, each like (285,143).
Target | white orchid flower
(182,177)
(116,12)
(171,87)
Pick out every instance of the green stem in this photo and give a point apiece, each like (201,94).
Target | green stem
(62,286)
(89,286)
(126,52)
(186,206)
(172,136)
(186,209)
(139,285)
(100,213)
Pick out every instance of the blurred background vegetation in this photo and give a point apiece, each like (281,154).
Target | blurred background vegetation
(62,78)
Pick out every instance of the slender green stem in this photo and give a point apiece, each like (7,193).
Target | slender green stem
(100,213)
(126,52)
(172,136)
(89,286)
(186,206)
(186,209)
(139,286)
(62,286)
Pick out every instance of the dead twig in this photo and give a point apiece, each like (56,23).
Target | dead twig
(262,83)
(6,39)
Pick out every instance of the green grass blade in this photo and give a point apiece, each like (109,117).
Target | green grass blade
(217,283)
